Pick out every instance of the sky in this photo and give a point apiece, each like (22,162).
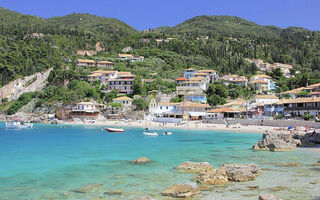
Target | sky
(144,14)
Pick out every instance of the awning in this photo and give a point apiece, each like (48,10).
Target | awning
(197,114)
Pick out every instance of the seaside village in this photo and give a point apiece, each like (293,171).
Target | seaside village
(190,89)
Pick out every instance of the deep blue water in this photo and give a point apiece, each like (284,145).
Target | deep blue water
(48,161)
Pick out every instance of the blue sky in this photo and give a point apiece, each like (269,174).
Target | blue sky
(143,14)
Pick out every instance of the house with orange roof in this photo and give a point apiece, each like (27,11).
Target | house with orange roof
(262,82)
(123,83)
(105,64)
(224,112)
(234,79)
(86,63)
(295,107)
(126,102)
(180,80)
(188,73)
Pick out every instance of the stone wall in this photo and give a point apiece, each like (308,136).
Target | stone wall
(276,123)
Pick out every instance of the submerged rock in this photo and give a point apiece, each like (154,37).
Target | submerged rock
(242,173)
(180,191)
(114,192)
(269,197)
(212,177)
(276,142)
(194,167)
(87,188)
(141,160)
(144,198)
(294,164)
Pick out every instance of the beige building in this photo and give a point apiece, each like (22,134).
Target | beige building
(126,102)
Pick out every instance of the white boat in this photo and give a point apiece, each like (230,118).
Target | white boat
(150,133)
(167,133)
(115,130)
(18,124)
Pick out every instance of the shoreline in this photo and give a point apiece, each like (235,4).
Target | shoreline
(187,126)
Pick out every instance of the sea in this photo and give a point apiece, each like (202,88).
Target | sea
(51,161)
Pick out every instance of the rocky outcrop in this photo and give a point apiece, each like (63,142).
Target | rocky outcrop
(141,160)
(319,160)
(193,167)
(212,177)
(242,173)
(32,83)
(276,142)
(308,138)
(269,197)
(87,188)
(180,191)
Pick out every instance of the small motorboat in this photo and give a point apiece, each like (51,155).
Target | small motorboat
(150,133)
(167,133)
(119,130)
(18,124)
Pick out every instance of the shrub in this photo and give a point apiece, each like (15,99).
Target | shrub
(276,117)
(307,116)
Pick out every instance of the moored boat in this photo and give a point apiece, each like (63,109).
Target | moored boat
(119,130)
(150,132)
(18,124)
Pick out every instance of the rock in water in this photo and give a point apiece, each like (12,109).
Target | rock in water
(319,160)
(180,191)
(276,142)
(269,197)
(194,167)
(141,160)
(242,173)
(87,188)
(144,198)
(212,177)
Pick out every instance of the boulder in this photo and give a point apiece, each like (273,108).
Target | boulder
(242,173)
(87,188)
(141,160)
(308,138)
(212,177)
(269,197)
(319,160)
(276,142)
(193,167)
(180,191)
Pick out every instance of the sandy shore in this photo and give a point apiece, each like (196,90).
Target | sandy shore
(190,125)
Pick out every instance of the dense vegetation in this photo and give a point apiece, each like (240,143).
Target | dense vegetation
(204,42)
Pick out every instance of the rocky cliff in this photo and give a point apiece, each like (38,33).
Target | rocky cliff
(32,83)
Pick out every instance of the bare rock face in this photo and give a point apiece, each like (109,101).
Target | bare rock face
(276,142)
(194,167)
(87,188)
(242,173)
(269,197)
(212,177)
(180,191)
(308,138)
(141,160)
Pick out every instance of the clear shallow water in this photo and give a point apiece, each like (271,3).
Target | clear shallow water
(47,162)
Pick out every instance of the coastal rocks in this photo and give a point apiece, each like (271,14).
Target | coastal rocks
(87,188)
(114,192)
(180,191)
(294,164)
(269,197)
(194,167)
(212,177)
(242,173)
(319,160)
(276,142)
(141,160)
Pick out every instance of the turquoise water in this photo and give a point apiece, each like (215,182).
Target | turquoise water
(47,162)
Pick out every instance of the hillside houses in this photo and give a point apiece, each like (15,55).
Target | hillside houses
(130,57)
(262,83)
(234,79)
(92,63)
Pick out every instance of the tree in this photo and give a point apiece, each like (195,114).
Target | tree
(137,87)
(276,73)
(140,104)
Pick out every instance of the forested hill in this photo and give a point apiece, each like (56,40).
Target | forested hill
(30,44)
(230,26)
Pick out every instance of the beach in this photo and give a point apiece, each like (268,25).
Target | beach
(190,125)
